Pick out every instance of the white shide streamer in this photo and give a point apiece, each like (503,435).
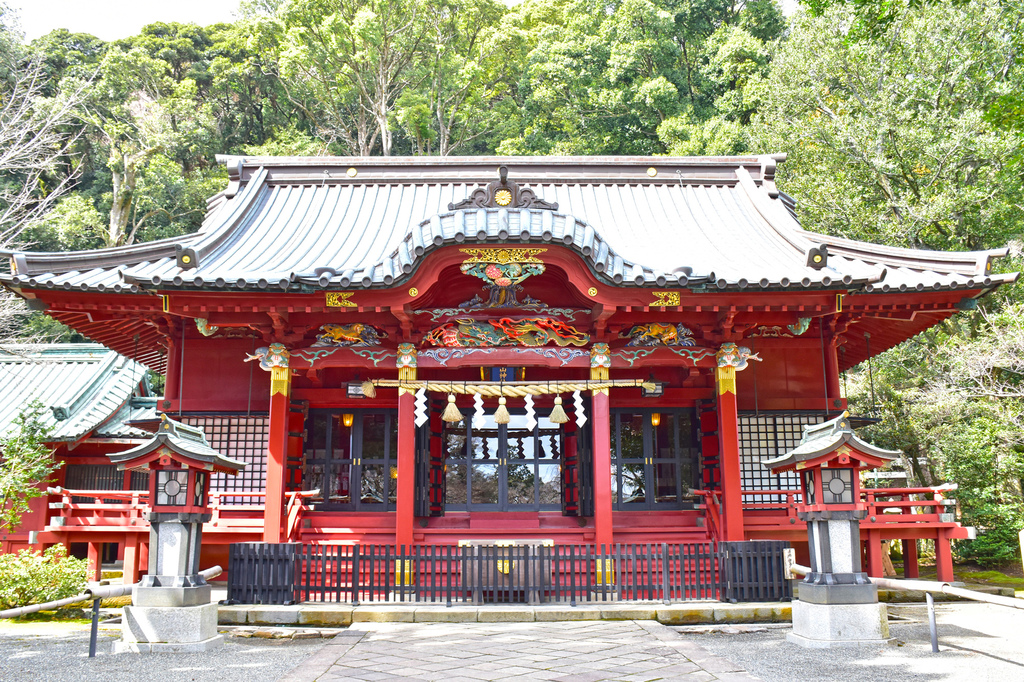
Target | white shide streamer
(478,412)
(577,400)
(531,418)
(421,407)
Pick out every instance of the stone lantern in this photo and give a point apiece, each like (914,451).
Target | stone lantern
(171,606)
(838,604)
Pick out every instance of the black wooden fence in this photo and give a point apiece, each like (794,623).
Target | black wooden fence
(259,573)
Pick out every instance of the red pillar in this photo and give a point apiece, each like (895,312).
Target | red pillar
(95,569)
(875,567)
(832,375)
(943,558)
(603,531)
(277,449)
(910,558)
(173,371)
(405,508)
(130,576)
(729,444)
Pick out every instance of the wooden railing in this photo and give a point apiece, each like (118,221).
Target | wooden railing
(884,505)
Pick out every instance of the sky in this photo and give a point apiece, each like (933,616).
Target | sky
(114,19)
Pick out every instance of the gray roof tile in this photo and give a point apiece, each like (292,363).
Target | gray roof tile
(713,222)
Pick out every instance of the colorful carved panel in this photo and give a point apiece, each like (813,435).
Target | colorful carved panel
(503,270)
(276,355)
(600,356)
(536,331)
(731,355)
(348,335)
(406,355)
(655,334)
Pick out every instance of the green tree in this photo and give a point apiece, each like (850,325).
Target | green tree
(887,137)
(25,464)
(345,65)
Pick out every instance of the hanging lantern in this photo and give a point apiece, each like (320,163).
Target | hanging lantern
(451,412)
(558,415)
(501,415)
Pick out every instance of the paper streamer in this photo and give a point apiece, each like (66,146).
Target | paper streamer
(420,404)
(478,413)
(577,400)
(531,418)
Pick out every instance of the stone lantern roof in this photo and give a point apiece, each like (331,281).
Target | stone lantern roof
(185,443)
(824,442)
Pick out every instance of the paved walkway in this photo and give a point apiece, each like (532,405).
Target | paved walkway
(584,651)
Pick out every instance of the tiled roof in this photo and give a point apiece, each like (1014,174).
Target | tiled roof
(84,387)
(308,223)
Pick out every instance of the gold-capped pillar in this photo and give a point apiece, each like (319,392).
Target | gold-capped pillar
(275,359)
(600,363)
(405,507)
(730,359)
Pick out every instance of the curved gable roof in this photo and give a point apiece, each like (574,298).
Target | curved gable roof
(295,223)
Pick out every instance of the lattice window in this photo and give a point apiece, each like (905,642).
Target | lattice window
(766,435)
(101,477)
(239,437)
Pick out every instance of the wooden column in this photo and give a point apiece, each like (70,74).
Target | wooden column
(277,448)
(832,374)
(910,569)
(94,556)
(876,567)
(943,558)
(729,447)
(603,530)
(604,533)
(130,576)
(405,507)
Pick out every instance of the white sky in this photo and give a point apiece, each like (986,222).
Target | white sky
(114,19)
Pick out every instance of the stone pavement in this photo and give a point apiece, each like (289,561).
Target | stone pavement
(582,651)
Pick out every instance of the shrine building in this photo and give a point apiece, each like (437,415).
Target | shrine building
(421,351)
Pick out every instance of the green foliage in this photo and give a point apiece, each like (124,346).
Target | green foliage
(952,401)
(29,577)
(887,137)
(72,225)
(25,464)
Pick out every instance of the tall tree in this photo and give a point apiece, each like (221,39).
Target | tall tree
(887,135)
(346,63)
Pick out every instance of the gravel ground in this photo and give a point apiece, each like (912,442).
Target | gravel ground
(59,652)
(977,642)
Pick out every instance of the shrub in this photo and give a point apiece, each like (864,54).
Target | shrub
(29,577)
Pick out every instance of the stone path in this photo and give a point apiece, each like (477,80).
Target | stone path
(585,651)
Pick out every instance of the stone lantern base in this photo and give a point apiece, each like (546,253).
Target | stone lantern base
(169,614)
(835,616)
(169,629)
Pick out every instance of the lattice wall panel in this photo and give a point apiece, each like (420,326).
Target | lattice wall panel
(239,437)
(764,436)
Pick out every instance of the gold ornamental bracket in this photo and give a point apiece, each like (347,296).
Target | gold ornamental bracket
(501,255)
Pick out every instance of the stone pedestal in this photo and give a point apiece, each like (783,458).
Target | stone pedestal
(826,626)
(169,629)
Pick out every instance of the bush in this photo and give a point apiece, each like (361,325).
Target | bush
(29,577)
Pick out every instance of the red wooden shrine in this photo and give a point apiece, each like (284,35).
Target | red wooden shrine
(589,350)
